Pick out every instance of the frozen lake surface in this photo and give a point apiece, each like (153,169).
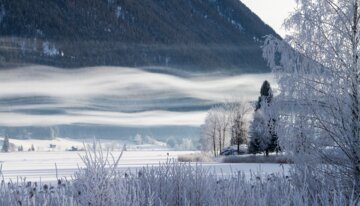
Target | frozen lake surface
(41,165)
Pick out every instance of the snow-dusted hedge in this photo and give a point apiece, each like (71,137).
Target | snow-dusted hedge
(195,157)
(172,183)
(279,159)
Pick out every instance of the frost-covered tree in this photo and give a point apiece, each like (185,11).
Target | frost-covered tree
(225,124)
(239,126)
(318,72)
(6,144)
(258,133)
(262,129)
(223,119)
(186,144)
(171,142)
(209,133)
(138,139)
(238,131)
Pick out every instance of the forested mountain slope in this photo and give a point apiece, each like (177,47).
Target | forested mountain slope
(193,35)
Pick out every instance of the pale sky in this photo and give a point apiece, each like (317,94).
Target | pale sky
(272,12)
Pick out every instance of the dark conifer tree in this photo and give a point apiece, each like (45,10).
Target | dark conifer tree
(6,145)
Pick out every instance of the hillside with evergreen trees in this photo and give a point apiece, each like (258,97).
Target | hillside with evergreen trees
(193,35)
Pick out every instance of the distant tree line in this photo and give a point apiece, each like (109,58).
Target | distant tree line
(9,147)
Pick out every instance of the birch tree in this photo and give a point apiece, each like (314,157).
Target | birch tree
(225,125)
(317,67)
(209,133)
(223,118)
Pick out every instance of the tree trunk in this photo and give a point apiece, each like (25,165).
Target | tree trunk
(357,180)
(224,136)
(220,145)
(355,103)
(214,144)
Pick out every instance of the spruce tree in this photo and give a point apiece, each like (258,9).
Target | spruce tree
(265,95)
(262,130)
(6,145)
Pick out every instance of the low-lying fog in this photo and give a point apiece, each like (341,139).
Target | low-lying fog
(46,97)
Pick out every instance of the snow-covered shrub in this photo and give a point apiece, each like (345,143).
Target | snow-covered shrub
(171,183)
(99,181)
(195,157)
(22,192)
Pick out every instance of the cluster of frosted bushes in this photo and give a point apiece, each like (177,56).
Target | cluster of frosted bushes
(100,183)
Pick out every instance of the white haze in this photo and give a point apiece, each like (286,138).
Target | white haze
(83,95)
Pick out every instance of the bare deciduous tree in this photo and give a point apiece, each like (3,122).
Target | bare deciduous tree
(239,123)
(225,124)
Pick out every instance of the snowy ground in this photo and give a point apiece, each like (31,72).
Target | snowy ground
(36,165)
(65,144)
(41,163)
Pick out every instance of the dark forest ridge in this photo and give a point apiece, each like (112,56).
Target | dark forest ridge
(195,35)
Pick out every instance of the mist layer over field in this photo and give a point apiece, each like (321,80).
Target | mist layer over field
(37,98)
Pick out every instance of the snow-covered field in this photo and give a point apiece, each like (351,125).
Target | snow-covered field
(106,182)
(41,165)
